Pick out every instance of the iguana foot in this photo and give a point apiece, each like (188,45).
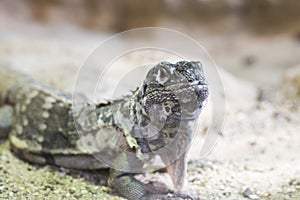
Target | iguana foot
(131,188)
(169,196)
(157,191)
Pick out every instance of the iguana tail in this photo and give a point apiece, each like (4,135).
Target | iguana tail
(9,78)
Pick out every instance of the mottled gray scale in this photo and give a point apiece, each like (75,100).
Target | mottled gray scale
(57,133)
(47,134)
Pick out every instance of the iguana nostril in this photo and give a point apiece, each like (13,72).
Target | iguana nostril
(202,91)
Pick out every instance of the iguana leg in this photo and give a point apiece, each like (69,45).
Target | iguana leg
(129,187)
(126,185)
(132,189)
(6,120)
(124,182)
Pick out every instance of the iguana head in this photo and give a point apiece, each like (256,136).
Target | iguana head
(174,92)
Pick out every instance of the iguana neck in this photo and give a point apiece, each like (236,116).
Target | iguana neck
(126,115)
(120,113)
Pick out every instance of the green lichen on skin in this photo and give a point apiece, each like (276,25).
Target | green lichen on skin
(20,180)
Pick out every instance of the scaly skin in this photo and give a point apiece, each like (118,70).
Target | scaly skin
(46,126)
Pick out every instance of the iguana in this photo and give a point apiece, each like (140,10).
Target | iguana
(46,126)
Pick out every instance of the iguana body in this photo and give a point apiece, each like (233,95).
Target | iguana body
(46,127)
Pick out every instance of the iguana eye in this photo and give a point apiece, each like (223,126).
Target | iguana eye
(167,108)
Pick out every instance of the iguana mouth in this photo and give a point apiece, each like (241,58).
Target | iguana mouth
(186,117)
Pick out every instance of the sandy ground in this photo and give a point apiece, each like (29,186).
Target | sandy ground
(257,156)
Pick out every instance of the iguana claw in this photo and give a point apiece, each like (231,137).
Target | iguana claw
(169,196)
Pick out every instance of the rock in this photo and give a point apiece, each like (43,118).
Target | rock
(15,190)
(249,194)
(72,190)
(84,191)
(1,189)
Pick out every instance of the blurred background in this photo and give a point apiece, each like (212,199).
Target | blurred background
(240,35)
(254,43)
(259,16)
